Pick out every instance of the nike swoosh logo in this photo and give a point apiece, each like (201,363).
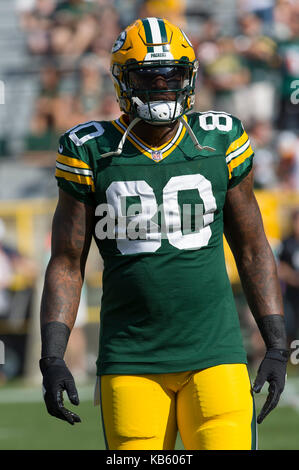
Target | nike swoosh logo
(60,149)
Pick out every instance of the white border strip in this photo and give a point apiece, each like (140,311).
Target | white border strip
(70,169)
(237,152)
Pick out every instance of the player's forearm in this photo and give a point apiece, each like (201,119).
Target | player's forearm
(258,274)
(60,301)
(256,265)
(71,238)
(62,289)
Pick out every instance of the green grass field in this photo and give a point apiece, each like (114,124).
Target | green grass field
(25,424)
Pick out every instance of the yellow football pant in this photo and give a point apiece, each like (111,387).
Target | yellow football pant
(212,409)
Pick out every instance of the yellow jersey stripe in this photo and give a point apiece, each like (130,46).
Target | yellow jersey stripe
(237,143)
(71,169)
(238,152)
(75,178)
(239,160)
(75,162)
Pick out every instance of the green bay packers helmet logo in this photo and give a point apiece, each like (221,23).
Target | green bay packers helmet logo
(119,42)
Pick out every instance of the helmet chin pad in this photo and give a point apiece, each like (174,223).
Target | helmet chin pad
(157,112)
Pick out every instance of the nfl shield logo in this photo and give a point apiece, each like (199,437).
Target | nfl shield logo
(157,155)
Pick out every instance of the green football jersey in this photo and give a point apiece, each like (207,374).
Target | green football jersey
(167,303)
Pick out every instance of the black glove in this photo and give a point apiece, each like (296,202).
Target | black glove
(273,370)
(56,379)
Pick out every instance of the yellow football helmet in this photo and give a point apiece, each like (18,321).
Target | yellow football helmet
(147,48)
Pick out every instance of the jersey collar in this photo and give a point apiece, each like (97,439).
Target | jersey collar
(154,153)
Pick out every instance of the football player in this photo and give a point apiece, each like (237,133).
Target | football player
(171,355)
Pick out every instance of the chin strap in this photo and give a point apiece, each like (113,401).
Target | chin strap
(193,137)
(119,149)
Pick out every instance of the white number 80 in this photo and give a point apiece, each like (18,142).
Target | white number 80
(192,241)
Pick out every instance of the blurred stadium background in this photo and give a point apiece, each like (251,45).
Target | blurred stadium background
(54,73)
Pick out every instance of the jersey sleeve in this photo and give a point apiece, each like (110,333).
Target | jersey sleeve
(74,172)
(239,154)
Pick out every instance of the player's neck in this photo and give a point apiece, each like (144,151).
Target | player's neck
(154,136)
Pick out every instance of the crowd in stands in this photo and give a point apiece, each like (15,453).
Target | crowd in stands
(253,72)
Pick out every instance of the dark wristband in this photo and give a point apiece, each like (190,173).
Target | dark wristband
(46,362)
(272,328)
(281,355)
(54,337)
